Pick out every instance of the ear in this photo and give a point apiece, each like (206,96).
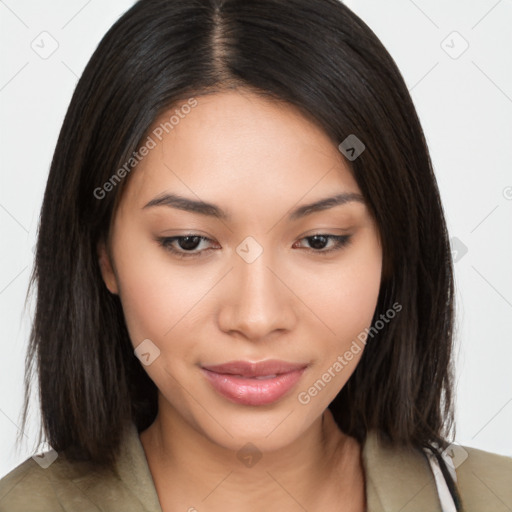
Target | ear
(107,269)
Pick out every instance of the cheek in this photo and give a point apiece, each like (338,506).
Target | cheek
(145,307)
(346,304)
(344,296)
(153,294)
(161,300)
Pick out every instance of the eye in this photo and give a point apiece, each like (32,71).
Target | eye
(187,245)
(320,240)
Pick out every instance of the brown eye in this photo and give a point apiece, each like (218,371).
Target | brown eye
(319,241)
(184,246)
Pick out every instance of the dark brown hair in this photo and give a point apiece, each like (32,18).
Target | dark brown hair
(321,58)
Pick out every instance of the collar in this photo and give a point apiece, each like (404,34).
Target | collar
(133,470)
(397,478)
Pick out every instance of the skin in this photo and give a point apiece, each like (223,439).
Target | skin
(257,160)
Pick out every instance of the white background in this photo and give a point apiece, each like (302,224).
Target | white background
(464,104)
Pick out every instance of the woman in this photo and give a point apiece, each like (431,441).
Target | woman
(245,290)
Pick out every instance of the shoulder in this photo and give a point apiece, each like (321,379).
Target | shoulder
(484,479)
(63,486)
(401,478)
(20,488)
(31,486)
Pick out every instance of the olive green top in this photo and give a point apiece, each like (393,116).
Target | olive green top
(396,480)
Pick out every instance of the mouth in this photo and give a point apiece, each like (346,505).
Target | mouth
(248,383)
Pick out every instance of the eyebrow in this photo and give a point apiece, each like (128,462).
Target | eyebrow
(212,210)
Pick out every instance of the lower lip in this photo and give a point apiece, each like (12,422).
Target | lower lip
(247,391)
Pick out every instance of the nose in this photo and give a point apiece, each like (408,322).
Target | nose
(257,300)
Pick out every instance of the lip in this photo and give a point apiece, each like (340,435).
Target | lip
(238,380)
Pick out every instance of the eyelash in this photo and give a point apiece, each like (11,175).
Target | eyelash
(341,241)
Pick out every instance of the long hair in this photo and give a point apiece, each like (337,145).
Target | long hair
(317,56)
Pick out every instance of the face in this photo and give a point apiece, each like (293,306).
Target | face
(252,278)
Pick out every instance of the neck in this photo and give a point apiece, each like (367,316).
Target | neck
(190,471)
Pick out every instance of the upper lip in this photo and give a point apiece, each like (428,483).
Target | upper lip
(255,369)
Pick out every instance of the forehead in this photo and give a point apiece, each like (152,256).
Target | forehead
(236,145)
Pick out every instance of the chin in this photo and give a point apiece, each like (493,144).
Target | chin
(268,430)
